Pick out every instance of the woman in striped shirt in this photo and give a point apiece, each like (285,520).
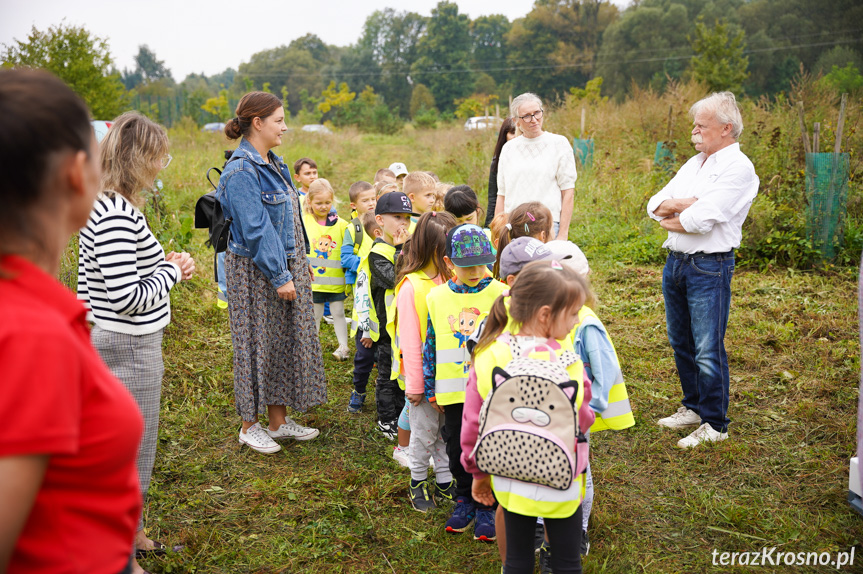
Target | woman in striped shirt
(124,277)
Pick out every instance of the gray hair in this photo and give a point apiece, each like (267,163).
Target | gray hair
(723,105)
(522,99)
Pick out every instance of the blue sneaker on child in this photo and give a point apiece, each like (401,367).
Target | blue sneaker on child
(462,516)
(355,404)
(483,529)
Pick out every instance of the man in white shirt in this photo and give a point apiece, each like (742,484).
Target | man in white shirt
(539,166)
(703,209)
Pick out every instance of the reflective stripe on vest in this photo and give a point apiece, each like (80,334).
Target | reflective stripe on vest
(422,285)
(324,256)
(385,250)
(462,312)
(618,414)
(514,495)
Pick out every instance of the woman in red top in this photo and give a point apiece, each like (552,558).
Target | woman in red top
(69,495)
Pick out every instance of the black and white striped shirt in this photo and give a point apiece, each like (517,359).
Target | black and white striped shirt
(123,277)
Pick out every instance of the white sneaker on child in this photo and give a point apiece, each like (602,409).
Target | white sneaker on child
(341,354)
(400,455)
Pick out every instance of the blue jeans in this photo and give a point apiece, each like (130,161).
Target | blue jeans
(697,290)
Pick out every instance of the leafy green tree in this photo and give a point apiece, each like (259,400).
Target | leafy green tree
(719,61)
(422,100)
(847,79)
(489,47)
(444,55)
(218,106)
(334,98)
(82,61)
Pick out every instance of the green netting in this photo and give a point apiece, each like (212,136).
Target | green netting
(826,194)
(663,158)
(583,151)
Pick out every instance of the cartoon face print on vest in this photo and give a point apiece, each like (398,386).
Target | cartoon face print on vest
(324,245)
(463,327)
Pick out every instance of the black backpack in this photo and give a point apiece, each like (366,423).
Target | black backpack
(209,215)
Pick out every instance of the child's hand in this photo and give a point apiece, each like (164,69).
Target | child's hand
(400,236)
(481,491)
(415,400)
(436,406)
(366,342)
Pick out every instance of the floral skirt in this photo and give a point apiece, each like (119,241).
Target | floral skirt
(277,353)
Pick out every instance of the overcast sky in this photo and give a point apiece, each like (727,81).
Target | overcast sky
(210,36)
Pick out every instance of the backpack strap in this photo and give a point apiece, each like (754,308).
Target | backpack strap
(565,357)
(358,233)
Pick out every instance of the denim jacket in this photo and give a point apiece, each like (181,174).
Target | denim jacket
(252,193)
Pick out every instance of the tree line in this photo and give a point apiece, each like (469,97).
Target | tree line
(409,66)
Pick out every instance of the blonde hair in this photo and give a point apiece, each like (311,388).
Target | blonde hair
(417,182)
(440,190)
(131,156)
(383,187)
(317,187)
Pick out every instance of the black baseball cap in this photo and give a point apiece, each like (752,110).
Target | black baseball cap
(394,202)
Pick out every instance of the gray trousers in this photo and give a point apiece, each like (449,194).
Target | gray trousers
(137,361)
(426,442)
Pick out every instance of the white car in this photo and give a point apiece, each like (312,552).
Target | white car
(482,123)
(213,127)
(101,128)
(317,128)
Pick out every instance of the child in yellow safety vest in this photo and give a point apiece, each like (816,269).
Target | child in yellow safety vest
(326,231)
(422,268)
(609,399)
(454,311)
(378,270)
(538,312)
(356,244)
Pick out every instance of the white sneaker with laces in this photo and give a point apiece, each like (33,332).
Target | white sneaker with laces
(682,418)
(259,440)
(328,319)
(704,433)
(341,354)
(293,430)
(400,455)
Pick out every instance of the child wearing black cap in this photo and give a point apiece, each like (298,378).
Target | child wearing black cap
(392,213)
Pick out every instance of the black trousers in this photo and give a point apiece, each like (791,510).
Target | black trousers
(564,535)
(451,434)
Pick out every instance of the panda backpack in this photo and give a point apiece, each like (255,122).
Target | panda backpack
(529,422)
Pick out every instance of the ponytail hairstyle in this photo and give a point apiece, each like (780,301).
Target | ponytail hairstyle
(539,283)
(426,245)
(461,201)
(527,220)
(317,187)
(252,105)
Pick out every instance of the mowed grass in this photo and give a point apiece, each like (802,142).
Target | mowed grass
(339,503)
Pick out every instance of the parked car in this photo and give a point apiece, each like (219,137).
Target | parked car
(317,128)
(101,128)
(214,127)
(482,123)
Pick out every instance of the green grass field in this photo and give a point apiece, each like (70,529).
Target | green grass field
(339,503)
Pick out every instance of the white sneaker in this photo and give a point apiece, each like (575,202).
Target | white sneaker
(682,418)
(341,354)
(293,430)
(258,440)
(400,455)
(328,319)
(704,433)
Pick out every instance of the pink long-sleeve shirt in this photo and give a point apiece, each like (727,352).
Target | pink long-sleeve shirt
(409,327)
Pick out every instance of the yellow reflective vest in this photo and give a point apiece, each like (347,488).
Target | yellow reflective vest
(618,414)
(422,285)
(325,254)
(514,495)
(364,289)
(455,316)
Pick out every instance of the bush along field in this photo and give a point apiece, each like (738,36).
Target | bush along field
(339,503)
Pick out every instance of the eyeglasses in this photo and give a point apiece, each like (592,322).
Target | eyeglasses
(166,161)
(535,115)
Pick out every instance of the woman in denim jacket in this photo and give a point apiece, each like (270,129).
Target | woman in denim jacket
(277,353)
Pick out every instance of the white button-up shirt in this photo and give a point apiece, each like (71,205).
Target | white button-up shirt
(725,186)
